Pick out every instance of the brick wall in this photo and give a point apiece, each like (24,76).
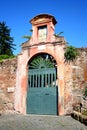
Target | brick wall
(79,77)
(75,81)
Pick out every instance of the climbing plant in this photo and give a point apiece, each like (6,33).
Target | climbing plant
(70,53)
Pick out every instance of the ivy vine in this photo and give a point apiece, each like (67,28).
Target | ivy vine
(70,53)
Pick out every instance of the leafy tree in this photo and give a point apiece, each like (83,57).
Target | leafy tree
(6,41)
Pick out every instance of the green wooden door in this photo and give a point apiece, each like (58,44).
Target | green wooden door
(42,92)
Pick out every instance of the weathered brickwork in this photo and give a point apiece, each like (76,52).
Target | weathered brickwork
(7,83)
(79,77)
(76,81)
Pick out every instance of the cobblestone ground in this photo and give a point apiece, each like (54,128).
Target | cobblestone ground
(36,122)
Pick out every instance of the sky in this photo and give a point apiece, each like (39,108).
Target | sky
(71,16)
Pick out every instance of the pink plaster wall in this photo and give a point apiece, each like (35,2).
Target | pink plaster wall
(50,47)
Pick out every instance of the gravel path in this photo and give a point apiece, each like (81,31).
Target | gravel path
(36,122)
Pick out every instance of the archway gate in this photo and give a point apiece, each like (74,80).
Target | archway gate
(28,96)
(42,92)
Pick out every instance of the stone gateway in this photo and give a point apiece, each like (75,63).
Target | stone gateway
(39,81)
(40,72)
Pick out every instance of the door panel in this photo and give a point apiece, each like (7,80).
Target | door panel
(42,101)
(42,94)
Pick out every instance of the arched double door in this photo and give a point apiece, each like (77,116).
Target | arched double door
(42,93)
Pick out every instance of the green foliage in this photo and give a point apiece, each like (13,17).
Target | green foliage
(27,37)
(57,35)
(70,53)
(85,92)
(6,41)
(2,57)
(84,112)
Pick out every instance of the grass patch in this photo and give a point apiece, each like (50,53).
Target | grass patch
(3,57)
